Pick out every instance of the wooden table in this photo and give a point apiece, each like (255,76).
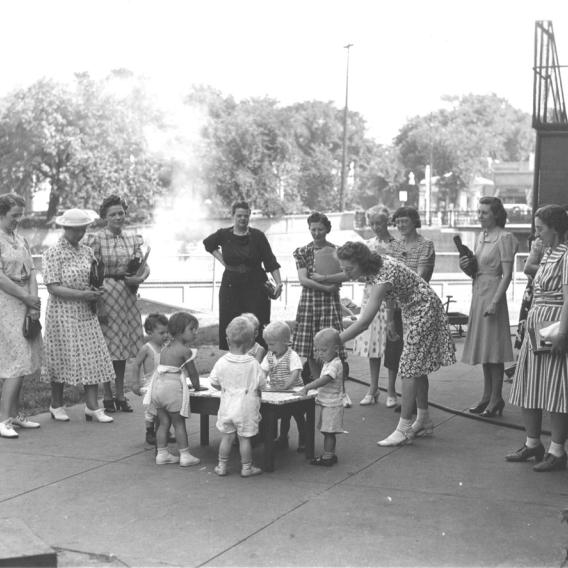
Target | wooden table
(274,405)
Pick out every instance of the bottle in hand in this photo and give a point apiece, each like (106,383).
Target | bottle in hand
(466,252)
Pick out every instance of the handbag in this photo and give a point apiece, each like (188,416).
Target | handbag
(97,274)
(466,252)
(32,327)
(543,334)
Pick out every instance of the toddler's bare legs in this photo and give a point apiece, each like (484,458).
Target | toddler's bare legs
(247,469)
(227,441)
(329,442)
(164,422)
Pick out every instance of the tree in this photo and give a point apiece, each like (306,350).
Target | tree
(460,142)
(85,141)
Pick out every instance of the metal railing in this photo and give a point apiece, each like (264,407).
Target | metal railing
(202,294)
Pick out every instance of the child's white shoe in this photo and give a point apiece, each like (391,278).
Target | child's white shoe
(163,458)
(249,470)
(221,470)
(186,459)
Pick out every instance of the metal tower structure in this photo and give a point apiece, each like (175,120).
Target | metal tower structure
(549,120)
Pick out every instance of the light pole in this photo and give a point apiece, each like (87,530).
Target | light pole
(344,153)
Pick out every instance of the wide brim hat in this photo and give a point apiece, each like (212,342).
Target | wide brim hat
(76,218)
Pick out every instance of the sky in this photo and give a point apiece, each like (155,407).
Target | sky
(406,54)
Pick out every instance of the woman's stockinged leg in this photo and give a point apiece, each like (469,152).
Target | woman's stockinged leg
(329,442)
(91,396)
(10,399)
(497,371)
(487,382)
(391,389)
(558,427)
(422,387)
(56,395)
(409,392)
(374,370)
(119,367)
(532,419)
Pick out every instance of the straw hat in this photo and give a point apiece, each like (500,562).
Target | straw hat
(75,218)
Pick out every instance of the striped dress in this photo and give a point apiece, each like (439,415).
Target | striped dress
(541,380)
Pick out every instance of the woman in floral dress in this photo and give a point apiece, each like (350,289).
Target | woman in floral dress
(76,351)
(19,357)
(427,340)
(319,305)
(371,343)
(119,314)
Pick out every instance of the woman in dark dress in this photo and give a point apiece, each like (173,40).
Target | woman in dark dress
(247,257)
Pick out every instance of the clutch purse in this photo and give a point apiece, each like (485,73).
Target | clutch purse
(97,274)
(270,289)
(32,327)
(543,334)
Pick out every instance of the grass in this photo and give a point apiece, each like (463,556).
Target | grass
(35,397)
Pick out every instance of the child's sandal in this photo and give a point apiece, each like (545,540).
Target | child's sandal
(327,462)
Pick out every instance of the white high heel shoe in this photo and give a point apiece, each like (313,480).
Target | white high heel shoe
(369,399)
(98,415)
(58,414)
(7,430)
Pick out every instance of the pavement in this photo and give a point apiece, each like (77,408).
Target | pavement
(93,493)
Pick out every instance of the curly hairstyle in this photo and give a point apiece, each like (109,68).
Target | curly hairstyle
(555,217)
(240,331)
(376,211)
(317,217)
(9,200)
(239,205)
(153,320)
(369,262)
(277,330)
(179,321)
(110,201)
(409,212)
(496,207)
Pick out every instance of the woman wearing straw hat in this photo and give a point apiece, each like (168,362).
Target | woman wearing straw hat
(75,348)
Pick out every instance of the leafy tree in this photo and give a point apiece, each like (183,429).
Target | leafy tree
(460,142)
(84,141)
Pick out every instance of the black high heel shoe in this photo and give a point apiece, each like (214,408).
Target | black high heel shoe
(497,410)
(481,406)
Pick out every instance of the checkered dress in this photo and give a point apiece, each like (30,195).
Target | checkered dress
(123,330)
(316,310)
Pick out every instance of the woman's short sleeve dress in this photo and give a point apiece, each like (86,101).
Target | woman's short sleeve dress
(18,356)
(428,344)
(75,349)
(488,338)
(371,343)
(316,309)
(541,379)
(122,326)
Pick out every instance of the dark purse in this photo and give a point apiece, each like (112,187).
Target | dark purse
(32,327)
(96,280)
(97,274)
(466,252)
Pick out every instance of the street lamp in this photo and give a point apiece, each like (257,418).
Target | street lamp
(344,153)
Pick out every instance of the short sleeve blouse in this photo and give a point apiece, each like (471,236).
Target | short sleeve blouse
(15,257)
